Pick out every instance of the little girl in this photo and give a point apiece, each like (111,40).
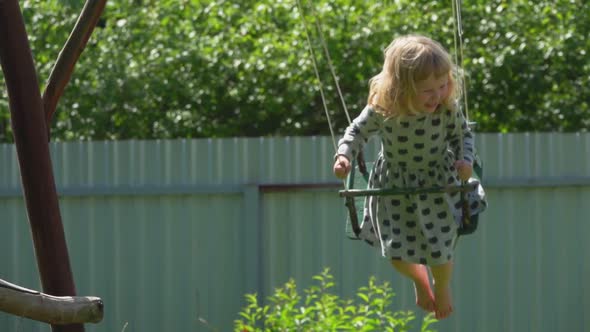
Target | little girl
(412,106)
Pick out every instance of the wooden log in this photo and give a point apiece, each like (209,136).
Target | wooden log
(55,310)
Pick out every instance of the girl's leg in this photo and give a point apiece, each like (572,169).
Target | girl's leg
(442,292)
(419,275)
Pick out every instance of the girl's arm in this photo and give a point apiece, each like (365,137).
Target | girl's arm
(458,128)
(358,133)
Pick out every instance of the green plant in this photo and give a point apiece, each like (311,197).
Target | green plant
(320,310)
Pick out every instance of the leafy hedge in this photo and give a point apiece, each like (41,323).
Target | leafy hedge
(219,68)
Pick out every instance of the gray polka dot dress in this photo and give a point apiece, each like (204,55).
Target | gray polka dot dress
(416,151)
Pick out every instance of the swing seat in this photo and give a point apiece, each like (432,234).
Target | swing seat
(355,203)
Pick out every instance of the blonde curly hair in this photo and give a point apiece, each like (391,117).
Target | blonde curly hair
(408,60)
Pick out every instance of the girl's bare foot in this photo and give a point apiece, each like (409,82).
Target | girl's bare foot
(424,296)
(443,303)
(419,275)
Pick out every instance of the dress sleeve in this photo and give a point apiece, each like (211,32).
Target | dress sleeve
(367,124)
(458,127)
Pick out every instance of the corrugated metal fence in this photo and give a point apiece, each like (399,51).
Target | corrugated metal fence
(171,232)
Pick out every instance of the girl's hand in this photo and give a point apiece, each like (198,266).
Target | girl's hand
(341,167)
(464,169)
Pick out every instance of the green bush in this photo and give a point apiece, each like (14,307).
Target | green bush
(320,310)
(222,68)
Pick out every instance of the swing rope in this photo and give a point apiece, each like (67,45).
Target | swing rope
(349,201)
(330,65)
(458,41)
(317,73)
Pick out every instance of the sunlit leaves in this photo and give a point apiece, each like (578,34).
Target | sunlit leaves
(218,68)
(536,65)
(321,310)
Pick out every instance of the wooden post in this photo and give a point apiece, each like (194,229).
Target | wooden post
(30,136)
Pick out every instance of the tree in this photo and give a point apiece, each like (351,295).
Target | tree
(218,68)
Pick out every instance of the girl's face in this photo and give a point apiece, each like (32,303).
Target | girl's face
(430,93)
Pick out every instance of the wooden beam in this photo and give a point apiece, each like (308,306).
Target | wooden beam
(55,310)
(64,67)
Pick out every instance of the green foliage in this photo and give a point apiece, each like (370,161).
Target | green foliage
(219,68)
(528,65)
(320,310)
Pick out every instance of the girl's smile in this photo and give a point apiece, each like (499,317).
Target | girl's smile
(430,93)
